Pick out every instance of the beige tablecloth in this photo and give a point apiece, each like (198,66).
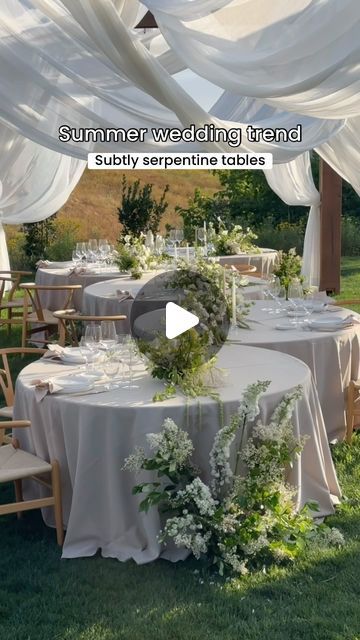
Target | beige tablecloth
(55,300)
(91,435)
(101,298)
(333,357)
(264,261)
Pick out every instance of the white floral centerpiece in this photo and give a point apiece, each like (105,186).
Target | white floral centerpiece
(187,363)
(134,256)
(241,522)
(232,242)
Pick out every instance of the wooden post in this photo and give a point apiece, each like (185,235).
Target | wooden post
(330,225)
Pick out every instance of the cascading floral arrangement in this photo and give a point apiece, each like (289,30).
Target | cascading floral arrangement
(232,242)
(134,257)
(187,362)
(288,268)
(241,522)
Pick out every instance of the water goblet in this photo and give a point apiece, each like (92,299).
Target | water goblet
(108,334)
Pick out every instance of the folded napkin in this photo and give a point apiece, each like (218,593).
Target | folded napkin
(54,352)
(123,295)
(43,264)
(78,271)
(333,324)
(43,387)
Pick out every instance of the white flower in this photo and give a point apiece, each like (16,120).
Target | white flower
(200,494)
(171,442)
(135,460)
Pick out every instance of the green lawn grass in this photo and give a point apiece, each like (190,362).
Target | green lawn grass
(43,597)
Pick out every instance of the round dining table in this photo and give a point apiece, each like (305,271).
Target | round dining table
(264,260)
(107,298)
(63,273)
(91,434)
(333,356)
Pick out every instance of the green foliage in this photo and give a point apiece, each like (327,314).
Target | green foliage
(236,522)
(203,208)
(66,234)
(38,237)
(288,268)
(140,211)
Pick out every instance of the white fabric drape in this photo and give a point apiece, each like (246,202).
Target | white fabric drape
(82,63)
(293,182)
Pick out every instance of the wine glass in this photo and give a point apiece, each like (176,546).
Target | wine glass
(111,365)
(179,235)
(296,297)
(202,236)
(92,248)
(108,334)
(104,248)
(81,251)
(274,289)
(76,256)
(92,338)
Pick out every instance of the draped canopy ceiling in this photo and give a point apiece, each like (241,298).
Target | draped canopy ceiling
(83,63)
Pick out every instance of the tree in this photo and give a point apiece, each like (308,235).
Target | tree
(139,210)
(38,237)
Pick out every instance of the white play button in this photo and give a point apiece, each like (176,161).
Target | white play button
(178,320)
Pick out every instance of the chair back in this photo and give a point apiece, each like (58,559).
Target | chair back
(32,294)
(15,277)
(6,282)
(6,383)
(67,324)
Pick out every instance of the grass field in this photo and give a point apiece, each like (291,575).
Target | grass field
(45,598)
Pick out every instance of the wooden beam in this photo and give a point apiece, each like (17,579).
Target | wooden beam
(330,228)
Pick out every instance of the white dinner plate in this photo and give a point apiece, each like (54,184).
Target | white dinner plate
(285,326)
(75,384)
(74,355)
(328,324)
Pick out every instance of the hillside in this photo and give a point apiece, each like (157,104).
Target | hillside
(93,204)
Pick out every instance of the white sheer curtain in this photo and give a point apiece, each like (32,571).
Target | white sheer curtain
(294,183)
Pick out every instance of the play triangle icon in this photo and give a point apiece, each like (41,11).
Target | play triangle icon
(178,320)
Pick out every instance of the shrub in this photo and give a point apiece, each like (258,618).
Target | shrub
(282,236)
(139,210)
(16,246)
(38,237)
(66,235)
(350,237)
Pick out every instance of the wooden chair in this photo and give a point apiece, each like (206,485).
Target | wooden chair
(16,465)
(244,269)
(12,306)
(346,303)
(6,383)
(42,320)
(352,407)
(67,324)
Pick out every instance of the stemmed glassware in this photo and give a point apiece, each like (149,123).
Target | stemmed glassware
(108,334)
(179,236)
(296,297)
(90,342)
(202,236)
(126,347)
(104,250)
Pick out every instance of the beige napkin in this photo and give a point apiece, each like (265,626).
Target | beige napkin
(123,295)
(43,387)
(54,352)
(78,271)
(43,264)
